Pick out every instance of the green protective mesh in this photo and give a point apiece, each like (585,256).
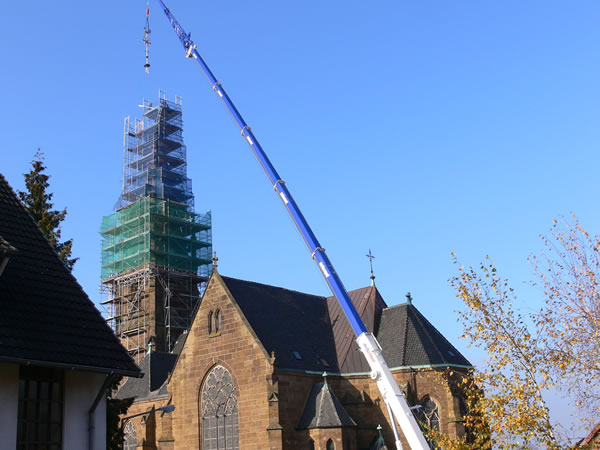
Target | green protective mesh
(157,233)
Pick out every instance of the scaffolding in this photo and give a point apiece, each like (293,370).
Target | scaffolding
(153,232)
(156,251)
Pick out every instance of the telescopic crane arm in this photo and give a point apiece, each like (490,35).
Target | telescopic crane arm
(380,372)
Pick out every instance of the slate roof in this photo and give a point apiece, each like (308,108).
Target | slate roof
(287,321)
(409,339)
(45,316)
(156,367)
(324,410)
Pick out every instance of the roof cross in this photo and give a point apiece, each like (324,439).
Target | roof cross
(371,258)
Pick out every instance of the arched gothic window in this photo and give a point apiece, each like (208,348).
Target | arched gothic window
(218,403)
(330,445)
(210,322)
(130,441)
(428,415)
(217,326)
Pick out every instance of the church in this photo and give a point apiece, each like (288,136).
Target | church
(263,367)
(234,364)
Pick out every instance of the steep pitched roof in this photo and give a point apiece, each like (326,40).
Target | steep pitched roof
(409,339)
(45,317)
(156,367)
(369,304)
(316,329)
(292,324)
(324,410)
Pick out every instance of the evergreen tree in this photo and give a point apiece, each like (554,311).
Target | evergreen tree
(38,202)
(115,408)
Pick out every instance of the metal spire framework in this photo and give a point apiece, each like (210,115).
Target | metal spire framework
(156,251)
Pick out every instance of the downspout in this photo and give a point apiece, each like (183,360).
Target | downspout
(101,393)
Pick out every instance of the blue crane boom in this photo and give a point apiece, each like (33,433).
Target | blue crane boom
(380,372)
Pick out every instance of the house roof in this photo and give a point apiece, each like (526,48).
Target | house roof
(324,410)
(45,316)
(289,322)
(156,367)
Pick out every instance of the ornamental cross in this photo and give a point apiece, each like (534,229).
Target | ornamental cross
(371,258)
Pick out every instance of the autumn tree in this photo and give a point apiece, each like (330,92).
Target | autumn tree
(555,347)
(38,202)
(568,273)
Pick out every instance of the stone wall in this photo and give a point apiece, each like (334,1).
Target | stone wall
(235,347)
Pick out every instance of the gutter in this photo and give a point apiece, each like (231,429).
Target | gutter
(102,393)
(125,373)
(392,369)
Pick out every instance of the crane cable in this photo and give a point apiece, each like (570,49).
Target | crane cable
(147,36)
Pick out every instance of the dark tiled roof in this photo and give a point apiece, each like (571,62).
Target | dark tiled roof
(287,321)
(409,339)
(324,410)
(156,367)
(45,317)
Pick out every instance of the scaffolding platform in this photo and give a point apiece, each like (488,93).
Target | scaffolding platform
(156,251)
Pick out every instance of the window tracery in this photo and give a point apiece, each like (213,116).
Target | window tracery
(130,442)
(219,411)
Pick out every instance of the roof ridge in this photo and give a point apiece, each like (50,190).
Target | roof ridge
(404,345)
(273,286)
(324,386)
(396,306)
(423,318)
(426,331)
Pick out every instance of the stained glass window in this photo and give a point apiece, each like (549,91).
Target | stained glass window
(428,415)
(219,411)
(130,437)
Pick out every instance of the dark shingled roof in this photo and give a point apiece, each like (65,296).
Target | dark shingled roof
(156,367)
(45,317)
(288,321)
(324,410)
(409,339)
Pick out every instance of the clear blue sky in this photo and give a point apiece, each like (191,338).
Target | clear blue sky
(415,129)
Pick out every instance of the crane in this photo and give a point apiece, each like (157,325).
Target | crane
(392,395)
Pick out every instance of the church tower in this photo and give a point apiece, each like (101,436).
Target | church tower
(156,251)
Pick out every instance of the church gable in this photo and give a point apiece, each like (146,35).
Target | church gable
(220,340)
